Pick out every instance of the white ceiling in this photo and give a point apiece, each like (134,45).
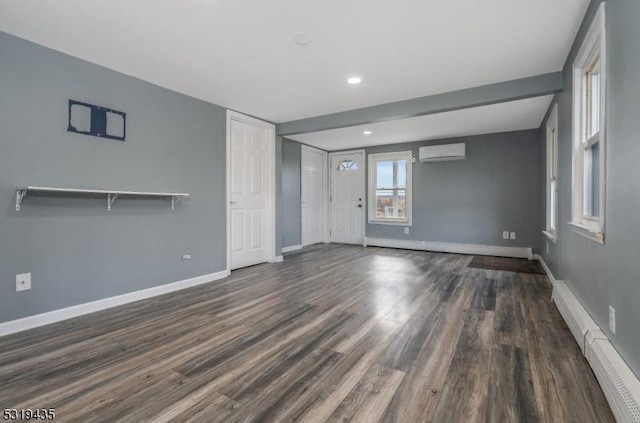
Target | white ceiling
(241,54)
(502,117)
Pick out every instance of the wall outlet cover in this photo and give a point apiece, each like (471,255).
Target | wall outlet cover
(23,282)
(406,231)
(505,234)
(512,235)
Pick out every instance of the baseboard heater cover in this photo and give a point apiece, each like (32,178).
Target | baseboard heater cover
(574,314)
(451,247)
(620,385)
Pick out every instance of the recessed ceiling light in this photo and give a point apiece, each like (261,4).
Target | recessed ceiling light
(367,132)
(302,40)
(354,80)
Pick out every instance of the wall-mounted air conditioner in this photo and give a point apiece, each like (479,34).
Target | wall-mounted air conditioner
(441,153)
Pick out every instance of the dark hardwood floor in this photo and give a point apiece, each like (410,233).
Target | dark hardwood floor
(336,333)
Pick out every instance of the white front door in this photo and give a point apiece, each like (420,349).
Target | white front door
(312,196)
(347,197)
(248,194)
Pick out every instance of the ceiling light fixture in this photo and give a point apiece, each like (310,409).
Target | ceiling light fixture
(367,132)
(302,40)
(354,80)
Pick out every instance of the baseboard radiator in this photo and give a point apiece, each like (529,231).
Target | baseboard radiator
(619,384)
(451,247)
(579,321)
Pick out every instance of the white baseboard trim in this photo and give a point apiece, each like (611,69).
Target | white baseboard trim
(54,316)
(278,259)
(291,248)
(450,247)
(546,268)
(620,385)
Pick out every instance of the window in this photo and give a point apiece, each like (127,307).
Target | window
(588,133)
(347,165)
(552,175)
(390,188)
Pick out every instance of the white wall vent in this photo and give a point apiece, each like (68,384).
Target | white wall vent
(441,153)
(574,314)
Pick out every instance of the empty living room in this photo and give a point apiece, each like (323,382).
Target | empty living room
(410,211)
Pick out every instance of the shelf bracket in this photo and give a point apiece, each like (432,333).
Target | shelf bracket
(111,198)
(20,194)
(174,201)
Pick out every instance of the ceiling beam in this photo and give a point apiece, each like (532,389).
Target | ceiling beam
(500,92)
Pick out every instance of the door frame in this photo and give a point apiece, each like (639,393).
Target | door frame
(326,221)
(364,189)
(270,129)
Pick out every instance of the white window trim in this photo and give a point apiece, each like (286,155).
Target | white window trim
(373,159)
(594,43)
(552,173)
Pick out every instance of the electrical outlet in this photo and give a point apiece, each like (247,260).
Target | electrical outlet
(23,281)
(512,235)
(406,230)
(505,234)
(612,319)
(186,257)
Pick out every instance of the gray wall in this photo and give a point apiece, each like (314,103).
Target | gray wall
(76,250)
(279,208)
(472,201)
(607,275)
(291,206)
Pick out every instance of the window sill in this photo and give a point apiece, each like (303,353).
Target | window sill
(389,222)
(587,233)
(552,237)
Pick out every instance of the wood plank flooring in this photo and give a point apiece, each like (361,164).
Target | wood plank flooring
(336,333)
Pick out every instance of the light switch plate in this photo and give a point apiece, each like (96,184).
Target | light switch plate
(23,282)
(512,235)
(505,234)
(186,257)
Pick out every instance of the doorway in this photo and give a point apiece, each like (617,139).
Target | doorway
(313,196)
(347,197)
(250,191)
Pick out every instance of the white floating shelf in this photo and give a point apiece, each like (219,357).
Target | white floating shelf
(111,195)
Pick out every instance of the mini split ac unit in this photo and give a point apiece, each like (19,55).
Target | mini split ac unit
(441,153)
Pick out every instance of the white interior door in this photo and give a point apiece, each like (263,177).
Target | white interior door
(248,194)
(347,197)
(312,195)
